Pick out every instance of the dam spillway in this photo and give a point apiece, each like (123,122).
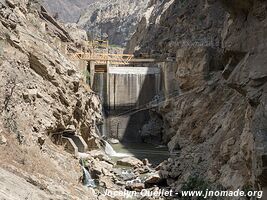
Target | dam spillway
(131,87)
(122,89)
(126,88)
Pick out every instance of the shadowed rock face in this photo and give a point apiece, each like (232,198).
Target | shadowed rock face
(171,24)
(67,10)
(246,32)
(237,6)
(220,121)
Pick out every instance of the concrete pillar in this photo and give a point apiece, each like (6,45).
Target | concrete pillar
(80,143)
(111,91)
(107,88)
(92,72)
(171,84)
(83,69)
(70,146)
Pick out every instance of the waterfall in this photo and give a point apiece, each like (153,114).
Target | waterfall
(87,179)
(111,152)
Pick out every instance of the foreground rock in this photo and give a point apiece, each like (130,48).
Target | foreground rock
(43,95)
(15,187)
(43,91)
(153,179)
(138,187)
(130,162)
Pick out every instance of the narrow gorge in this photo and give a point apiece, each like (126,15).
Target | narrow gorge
(127,99)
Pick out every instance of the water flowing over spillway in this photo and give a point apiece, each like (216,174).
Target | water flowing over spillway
(111,152)
(87,179)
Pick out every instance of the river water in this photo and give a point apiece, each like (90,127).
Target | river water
(155,154)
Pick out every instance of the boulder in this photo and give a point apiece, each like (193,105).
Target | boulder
(100,168)
(106,182)
(153,179)
(100,155)
(130,162)
(136,187)
(142,170)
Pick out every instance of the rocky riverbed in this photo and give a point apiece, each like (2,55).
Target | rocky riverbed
(123,176)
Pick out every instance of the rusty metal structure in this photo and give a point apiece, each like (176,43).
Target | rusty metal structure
(97,51)
(103,58)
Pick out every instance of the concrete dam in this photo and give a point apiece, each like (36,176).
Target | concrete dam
(124,89)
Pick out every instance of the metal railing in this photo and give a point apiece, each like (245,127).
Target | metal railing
(102,58)
(88,53)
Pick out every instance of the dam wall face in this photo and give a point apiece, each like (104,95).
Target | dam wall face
(125,92)
(130,87)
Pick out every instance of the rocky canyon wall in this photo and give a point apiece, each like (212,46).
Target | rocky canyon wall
(67,11)
(42,93)
(114,20)
(245,33)
(218,123)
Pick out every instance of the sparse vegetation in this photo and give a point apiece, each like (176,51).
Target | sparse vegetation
(10,116)
(198,183)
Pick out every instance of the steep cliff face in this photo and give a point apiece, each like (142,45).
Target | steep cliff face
(114,19)
(219,121)
(68,11)
(169,24)
(245,32)
(42,94)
